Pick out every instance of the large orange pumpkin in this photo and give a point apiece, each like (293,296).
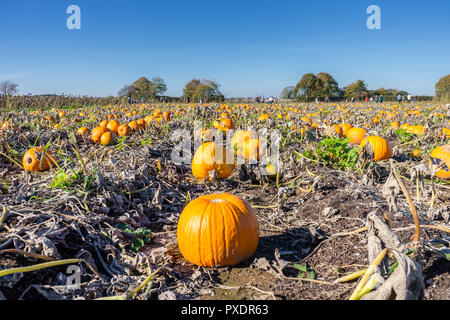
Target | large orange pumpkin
(209,157)
(32,159)
(218,230)
(440,157)
(381,148)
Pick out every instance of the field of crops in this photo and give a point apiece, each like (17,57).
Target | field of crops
(319,201)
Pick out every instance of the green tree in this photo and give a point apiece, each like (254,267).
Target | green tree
(307,86)
(443,89)
(321,85)
(357,90)
(328,86)
(143,87)
(207,90)
(287,93)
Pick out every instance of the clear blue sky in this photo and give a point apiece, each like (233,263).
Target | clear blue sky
(249,47)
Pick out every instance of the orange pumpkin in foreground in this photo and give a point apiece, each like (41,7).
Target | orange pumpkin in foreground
(209,157)
(380,147)
(32,159)
(218,230)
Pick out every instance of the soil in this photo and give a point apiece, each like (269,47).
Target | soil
(139,187)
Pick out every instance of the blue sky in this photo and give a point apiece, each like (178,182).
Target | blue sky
(249,47)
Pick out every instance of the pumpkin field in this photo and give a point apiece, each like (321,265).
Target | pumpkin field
(355,205)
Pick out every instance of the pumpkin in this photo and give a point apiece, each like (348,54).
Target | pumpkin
(263,117)
(113,125)
(226,124)
(446,132)
(345,127)
(104,123)
(97,133)
(240,137)
(32,159)
(379,146)
(333,130)
(218,230)
(270,171)
(82,131)
(107,138)
(124,130)
(133,125)
(251,150)
(394,125)
(440,157)
(356,135)
(211,157)
(416,153)
(141,124)
(166,116)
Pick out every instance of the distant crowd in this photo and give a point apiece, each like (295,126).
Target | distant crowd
(267,99)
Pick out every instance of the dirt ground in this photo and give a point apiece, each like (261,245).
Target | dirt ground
(302,223)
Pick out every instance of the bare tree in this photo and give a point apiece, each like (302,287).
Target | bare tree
(8,88)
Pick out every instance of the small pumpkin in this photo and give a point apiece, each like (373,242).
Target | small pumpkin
(107,138)
(440,158)
(82,131)
(218,230)
(227,123)
(356,135)
(166,116)
(211,157)
(416,153)
(32,159)
(113,125)
(345,127)
(141,124)
(97,133)
(333,130)
(394,125)
(380,147)
(134,126)
(270,171)
(124,130)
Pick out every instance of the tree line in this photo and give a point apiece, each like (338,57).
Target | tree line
(324,87)
(195,90)
(310,87)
